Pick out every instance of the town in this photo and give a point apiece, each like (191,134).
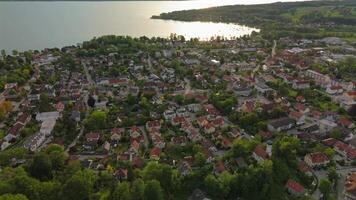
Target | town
(241,118)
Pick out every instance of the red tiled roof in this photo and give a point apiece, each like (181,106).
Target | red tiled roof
(22,118)
(299,106)
(155,151)
(294,186)
(265,134)
(345,122)
(260,152)
(135,129)
(351,93)
(330,142)
(92,136)
(154,123)
(300,98)
(295,114)
(15,129)
(303,167)
(318,157)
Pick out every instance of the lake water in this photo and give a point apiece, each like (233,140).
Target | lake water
(37,25)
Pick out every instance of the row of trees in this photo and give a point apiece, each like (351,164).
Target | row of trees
(51,176)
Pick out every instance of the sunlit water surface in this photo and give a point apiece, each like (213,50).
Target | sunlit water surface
(37,25)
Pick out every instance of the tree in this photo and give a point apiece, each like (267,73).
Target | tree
(325,187)
(41,167)
(121,192)
(329,152)
(79,186)
(17,181)
(159,172)
(45,105)
(6,106)
(91,101)
(138,190)
(57,156)
(213,186)
(153,191)
(332,174)
(199,159)
(3,53)
(13,197)
(6,156)
(286,147)
(97,120)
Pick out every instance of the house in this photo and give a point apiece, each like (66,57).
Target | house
(211,110)
(309,128)
(262,88)
(34,142)
(169,114)
(92,138)
(202,121)
(259,153)
(226,143)
(281,124)
(75,115)
(297,116)
(334,89)
(346,123)
(59,106)
(107,146)
(116,134)
(209,128)
(300,99)
(182,112)
(135,132)
(318,78)
(47,126)
(300,84)
(184,168)
(177,121)
(219,168)
(350,187)
(23,119)
(198,195)
(218,122)
(14,130)
(350,96)
(265,135)
(194,107)
(134,148)
(326,125)
(121,174)
(242,90)
(304,168)
(248,106)
(47,115)
(295,188)
(345,150)
(316,160)
(153,125)
(301,108)
(155,153)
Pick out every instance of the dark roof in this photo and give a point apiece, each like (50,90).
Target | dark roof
(276,123)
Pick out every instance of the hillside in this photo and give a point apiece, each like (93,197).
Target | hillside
(300,19)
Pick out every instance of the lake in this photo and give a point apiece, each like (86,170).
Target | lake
(37,25)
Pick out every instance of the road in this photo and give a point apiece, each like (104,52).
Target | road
(273,53)
(342,172)
(85,99)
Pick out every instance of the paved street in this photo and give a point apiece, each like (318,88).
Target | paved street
(85,99)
